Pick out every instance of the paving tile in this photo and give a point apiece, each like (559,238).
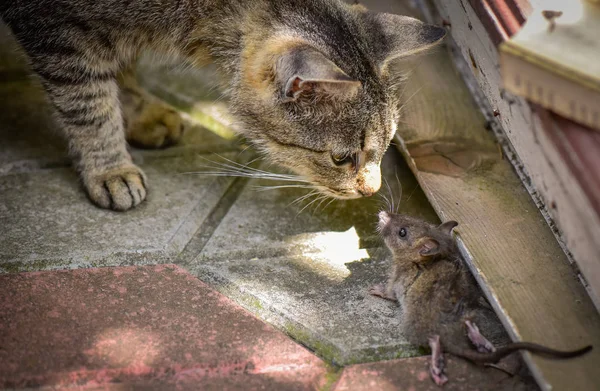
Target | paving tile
(153,327)
(321,301)
(308,273)
(412,375)
(47,221)
(28,135)
(265,223)
(30,138)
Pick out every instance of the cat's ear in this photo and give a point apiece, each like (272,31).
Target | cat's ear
(397,36)
(305,71)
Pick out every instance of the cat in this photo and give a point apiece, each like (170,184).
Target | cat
(310,81)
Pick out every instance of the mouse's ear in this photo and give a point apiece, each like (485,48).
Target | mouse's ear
(429,247)
(448,226)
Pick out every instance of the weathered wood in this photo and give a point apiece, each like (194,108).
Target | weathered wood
(511,250)
(548,160)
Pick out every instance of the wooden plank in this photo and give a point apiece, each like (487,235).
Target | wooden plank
(502,234)
(554,171)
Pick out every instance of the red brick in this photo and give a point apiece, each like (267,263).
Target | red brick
(412,374)
(156,327)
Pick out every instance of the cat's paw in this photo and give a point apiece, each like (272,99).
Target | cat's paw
(120,188)
(154,125)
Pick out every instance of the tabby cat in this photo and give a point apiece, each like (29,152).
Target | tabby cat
(310,80)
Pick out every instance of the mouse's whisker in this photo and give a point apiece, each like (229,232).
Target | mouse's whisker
(390,193)
(400,190)
(385,202)
(412,192)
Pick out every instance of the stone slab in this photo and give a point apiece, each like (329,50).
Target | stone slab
(266,223)
(47,221)
(412,374)
(320,300)
(140,328)
(308,272)
(28,135)
(31,140)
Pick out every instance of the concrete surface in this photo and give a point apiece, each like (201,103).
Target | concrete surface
(303,268)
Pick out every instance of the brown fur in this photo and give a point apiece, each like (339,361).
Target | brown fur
(438,294)
(309,80)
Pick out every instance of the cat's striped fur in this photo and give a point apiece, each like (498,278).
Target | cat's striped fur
(308,79)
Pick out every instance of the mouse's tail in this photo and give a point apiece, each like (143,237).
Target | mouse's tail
(493,357)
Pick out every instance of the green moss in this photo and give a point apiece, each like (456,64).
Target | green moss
(326,351)
(253,303)
(331,377)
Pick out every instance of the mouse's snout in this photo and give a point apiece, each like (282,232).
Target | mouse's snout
(384,218)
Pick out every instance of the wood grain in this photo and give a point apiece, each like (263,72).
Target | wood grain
(509,246)
(555,168)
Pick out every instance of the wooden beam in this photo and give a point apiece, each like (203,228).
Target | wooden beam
(554,157)
(502,234)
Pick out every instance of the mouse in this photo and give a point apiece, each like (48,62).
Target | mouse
(441,301)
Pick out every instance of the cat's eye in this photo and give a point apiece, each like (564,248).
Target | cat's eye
(402,232)
(340,159)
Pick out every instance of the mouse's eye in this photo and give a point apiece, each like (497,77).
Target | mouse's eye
(402,232)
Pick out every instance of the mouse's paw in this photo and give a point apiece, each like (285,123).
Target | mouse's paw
(436,368)
(380,290)
(439,379)
(480,342)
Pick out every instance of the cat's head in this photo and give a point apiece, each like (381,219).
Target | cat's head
(318,95)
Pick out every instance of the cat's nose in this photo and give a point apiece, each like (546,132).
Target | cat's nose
(367,192)
(369,180)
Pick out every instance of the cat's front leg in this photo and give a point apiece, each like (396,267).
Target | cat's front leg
(149,122)
(89,114)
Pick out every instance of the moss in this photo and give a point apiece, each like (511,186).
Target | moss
(385,353)
(37,265)
(331,377)
(253,303)
(326,351)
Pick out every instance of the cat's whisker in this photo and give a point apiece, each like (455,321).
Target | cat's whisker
(241,174)
(266,188)
(267,173)
(318,197)
(304,197)
(329,203)
(321,203)
(235,169)
(404,103)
